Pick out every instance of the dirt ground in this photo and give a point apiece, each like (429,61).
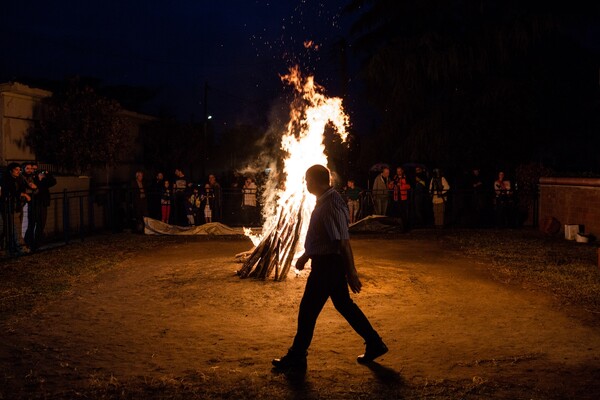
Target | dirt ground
(179,322)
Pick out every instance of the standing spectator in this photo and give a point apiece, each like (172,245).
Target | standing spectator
(193,206)
(28,216)
(140,202)
(400,188)
(44,181)
(420,197)
(249,205)
(217,203)
(165,202)
(207,203)
(155,190)
(380,192)
(503,200)
(13,195)
(180,190)
(353,200)
(477,198)
(2,216)
(439,193)
(502,185)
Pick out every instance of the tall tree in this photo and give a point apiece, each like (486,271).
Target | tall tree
(79,129)
(463,80)
(170,144)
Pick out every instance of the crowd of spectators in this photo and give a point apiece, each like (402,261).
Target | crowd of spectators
(419,198)
(180,201)
(24,200)
(413,195)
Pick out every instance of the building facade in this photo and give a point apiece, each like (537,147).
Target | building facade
(19,105)
(20,108)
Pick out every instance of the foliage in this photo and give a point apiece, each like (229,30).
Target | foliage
(528,176)
(130,97)
(241,144)
(527,179)
(169,144)
(458,81)
(79,129)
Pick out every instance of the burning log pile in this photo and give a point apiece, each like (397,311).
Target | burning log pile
(275,252)
(285,227)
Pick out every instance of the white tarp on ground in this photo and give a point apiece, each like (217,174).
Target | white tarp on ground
(377,223)
(154,227)
(373,223)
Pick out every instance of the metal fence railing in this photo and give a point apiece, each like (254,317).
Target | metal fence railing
(463,208)
(70,215)
(73,215)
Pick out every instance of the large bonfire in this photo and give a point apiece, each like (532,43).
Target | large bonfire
(289,205)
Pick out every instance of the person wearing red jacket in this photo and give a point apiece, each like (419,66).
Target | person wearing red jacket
(400,188)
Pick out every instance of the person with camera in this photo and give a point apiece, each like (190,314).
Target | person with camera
(44,180)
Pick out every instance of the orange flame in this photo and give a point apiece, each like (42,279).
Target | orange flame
(303,145)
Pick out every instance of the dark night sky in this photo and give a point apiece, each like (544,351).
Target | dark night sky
(237,47)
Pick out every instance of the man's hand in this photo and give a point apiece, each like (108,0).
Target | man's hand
(302,262)
(351,274)
(353,280)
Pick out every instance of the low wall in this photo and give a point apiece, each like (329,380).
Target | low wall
(572,201)
(71,184)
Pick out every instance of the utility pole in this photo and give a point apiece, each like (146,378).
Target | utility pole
(205,132)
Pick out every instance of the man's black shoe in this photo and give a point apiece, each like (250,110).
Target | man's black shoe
(372,351)
(290,361)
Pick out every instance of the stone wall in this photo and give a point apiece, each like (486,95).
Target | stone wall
(572,201)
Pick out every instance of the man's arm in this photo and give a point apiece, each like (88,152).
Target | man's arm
(302,262)
(50,181)
(351,274)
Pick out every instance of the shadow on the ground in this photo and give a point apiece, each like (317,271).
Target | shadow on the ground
(385,375)
(300,388)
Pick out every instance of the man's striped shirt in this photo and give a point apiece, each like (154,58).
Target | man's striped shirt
(328,225)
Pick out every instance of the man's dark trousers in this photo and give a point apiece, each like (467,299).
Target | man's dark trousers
(328,279)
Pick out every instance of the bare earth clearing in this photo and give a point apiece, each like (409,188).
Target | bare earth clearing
(176,322)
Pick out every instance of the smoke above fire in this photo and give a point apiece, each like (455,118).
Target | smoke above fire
(287,205)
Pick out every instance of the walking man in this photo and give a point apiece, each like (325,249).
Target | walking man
(327,245)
